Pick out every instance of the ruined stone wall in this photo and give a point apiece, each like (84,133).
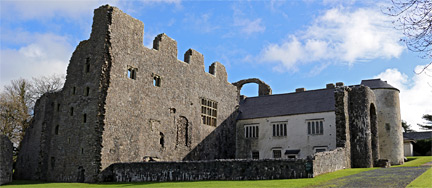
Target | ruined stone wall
(389,125)
(330,161)
(206,170)
(63,142)
(342,122)
(153,104)
(6,160)
(363,151)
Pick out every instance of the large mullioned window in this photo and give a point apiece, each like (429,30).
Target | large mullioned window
(279,128)
(251,131)
(315,127)
(209,112)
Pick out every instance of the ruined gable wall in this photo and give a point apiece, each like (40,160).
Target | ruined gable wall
(147,120)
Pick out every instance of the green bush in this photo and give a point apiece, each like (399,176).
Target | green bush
(423,147)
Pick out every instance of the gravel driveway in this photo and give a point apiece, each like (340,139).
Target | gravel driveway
(384,177)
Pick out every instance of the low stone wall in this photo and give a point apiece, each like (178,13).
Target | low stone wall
(6,160)
(208,170)
(330,161)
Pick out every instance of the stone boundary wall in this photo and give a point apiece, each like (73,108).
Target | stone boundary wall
(236,169)
(330,161)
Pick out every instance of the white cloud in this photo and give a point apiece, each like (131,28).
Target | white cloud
(339,35)
(249,27)
(415,93)
(46,9)
(45,54)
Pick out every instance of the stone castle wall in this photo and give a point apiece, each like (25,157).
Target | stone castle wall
(105,115)
(330,161)
(6,160)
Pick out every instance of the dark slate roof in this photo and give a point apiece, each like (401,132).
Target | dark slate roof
(313,101)
(418,135)
(377,84)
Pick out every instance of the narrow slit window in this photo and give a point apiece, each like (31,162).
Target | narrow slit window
(87,65)
(71,111)
(74,90)
(84,118)
(56,130)
(156,80)
(87,91)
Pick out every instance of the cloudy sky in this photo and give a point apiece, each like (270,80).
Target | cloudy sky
(287,44)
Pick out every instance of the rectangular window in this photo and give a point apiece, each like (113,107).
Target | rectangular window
(131,72)
(251,131)
(87,65)
(277,153)
(87,91)
(320,149)
(255,155)
(280,129)
(208,112)
(156,80)
(71,111)
(315,127)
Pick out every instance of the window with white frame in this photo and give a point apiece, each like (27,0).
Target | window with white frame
(279,128)
(315,127)
(251,131)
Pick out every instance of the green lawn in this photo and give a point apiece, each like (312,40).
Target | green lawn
(422,181)
(416,161)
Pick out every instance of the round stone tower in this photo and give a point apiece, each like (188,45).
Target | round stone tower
(389,120)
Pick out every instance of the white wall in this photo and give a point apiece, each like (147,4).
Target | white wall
(297,136)
(408,149)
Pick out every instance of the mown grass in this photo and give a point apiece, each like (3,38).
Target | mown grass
(306,182)
(415,161)
(422,181)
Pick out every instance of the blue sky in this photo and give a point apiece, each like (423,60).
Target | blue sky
(287,44)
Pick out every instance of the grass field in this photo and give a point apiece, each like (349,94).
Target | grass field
(422,181)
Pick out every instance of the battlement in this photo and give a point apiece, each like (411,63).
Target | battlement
(117,28)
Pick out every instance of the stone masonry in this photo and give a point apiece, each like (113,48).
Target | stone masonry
(123,102)
(6,160)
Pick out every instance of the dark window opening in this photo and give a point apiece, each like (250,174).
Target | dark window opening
(73,90)
(58,107)
(255,155)
(157,81)
(277,154)
(162,140)
(87,65)
(87,91)
(280,129)
(85,118)
(291,156)
(131,73)
(82,150)
(71,111)
(52,162)
(56,129)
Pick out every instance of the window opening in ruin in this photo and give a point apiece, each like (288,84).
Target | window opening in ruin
(156,80)
(52,162)
(58,107)
(87,91)
(387,126)
(315,127)
(74,90)
(82,150)
(277,153)
(56,129)
(87,65)
(172,110)
(255,155)
(208,112)
(251,131)
(68,140)
(183,132)
(131,73)
(320,149)
(84,118)
(162,139)
(279,128)
(71,111)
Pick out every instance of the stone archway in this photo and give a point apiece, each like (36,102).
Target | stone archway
(263,88)
(374,131)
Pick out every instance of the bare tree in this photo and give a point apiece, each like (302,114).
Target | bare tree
(17,102)
(414,18)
